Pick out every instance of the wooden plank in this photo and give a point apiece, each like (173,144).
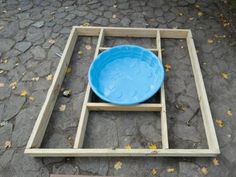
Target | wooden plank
(164,125)
(120,152)
(79,138)
(47,108)
(111,107)
(202,96)
(174,33)
(105,48)
(57,175)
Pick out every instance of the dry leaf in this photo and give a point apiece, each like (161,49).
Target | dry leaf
(152,146)
(229,113)
(35,79)
(62,108)
(69,69)
(13,85)
(225,75)
(23,93)
(220,123)
(170,170)
(204,170)
(190,18)
(88,47)
(114,16)
(128,146)
(49,77)
(197,6)
(210,41)
(31,98)
(118,165)
(180,14)
(51,41)
(1,27)
(2,85)
(1,71)
(167,67)
(86,24)
(200,14)
(80,52)
(215,162)
(7,144)
(154,172)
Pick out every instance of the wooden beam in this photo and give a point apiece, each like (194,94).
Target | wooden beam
(79,138)
(202,96)
(174,33)
(111,107)
(164,125)
(105,48)
(120,152)
(47,108)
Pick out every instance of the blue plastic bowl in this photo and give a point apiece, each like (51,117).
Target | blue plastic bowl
(126,75)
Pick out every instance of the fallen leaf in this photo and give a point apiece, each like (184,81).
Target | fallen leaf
(80,52)
(88,47)
(197,6)
(13,85)
(190,18)
(49,77)
(118,165)
(167,67)
(225,75)
(229,113)
(1,27)
(31,98)
(114,16)
(154,172)
(62,108)
(226,24)
(152,146)
(210,41)
(68,70)
(162,49)
(215,162)
(7,144)
(204,170)
(35,79)
(86,24)
(180,14)
(200,14)
(128,146)
(23,93)
(171,170)
(2,85)
(51,41)
(115,6)
(1,71)
(220,123)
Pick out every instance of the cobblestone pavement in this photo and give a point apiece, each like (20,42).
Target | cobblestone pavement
(32,32)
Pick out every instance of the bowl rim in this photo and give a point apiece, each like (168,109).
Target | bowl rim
(123,103)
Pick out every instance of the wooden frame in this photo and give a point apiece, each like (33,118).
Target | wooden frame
(33,146)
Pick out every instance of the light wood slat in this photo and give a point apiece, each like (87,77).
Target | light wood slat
(79,138)
(164,125)
(120,152)
(110,107)
(202,96)
(105,48)
(47,108)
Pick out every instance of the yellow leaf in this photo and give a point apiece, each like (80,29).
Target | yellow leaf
(7,144)
(152,146)
(13,85)
(220,123)
(225,75)
(204,170)
(69,69)
(86,24)
(171,170)
(167,67)
(118,165)
(31,98)
(35,79)
(200,14)
(210,41)
(229,113)
(88,47)
(51,41)
(154,172)
(23,93)
(62,108)
(128,146)
(80,52)
(49,77)
(215,162)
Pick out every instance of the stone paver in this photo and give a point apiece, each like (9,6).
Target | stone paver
(31,33)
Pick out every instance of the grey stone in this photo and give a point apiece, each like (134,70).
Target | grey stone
(20,36)
(169,16)
(81,13)
(124,6)
(23,46)
(23,126)
(158,12)
(25,56)
(38,53)
(11,63)
(65,30)
(42,84)
(34,35)
(66,168)
(5,159)
(70,17)
(13,106)
(1,111)
(188,169)
(52,52)
(101,21)
(60,15)
(5,135)
(25,7)
(108,14)
(4,93)
(43,69)
(39,97)
(185,132)
(125,21)
(56,140)
(28,76)
(90,16)
(6,44)
(25,23)
(38,24)
(11,29)
(23,16)
(93,165)
(149,132)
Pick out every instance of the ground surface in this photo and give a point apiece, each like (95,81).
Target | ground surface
(31,34)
